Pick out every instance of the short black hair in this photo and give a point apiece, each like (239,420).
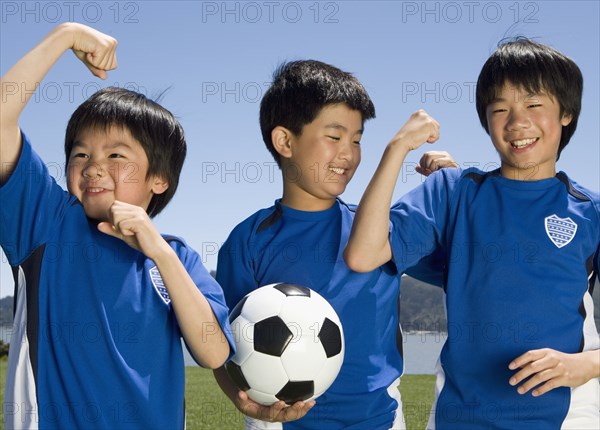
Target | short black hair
(300,89)
(536,68)
(153,126)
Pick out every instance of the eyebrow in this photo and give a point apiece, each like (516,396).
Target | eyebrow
(117,144)
(525,97)
(338,126)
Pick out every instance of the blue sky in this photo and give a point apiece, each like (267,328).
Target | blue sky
(217,59)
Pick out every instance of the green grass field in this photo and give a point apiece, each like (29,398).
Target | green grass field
(209,409)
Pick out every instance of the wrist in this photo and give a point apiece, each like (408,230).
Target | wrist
(64,35)
(163,254)
(397,149)
(594,363)
(400,146)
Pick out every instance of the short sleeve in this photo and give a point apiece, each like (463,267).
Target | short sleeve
(234,267)
(597,263)
(419,218)
(209,287)
(32,205)
(430,269)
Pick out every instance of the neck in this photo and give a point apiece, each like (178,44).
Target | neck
(534,172)
(306,202)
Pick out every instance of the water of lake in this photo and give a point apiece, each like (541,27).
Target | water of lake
(421,350)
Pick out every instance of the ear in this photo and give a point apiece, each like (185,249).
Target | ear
(282,141)
(159,185)
(566,120)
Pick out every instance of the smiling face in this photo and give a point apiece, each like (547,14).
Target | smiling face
(525,130)
(108,165)
(318,164)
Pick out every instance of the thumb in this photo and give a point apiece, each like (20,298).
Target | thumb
(88,61)
(109,229)
(99,73)
(423,170)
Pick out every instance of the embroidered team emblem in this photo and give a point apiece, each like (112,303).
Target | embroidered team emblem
(159,285)
(560,230)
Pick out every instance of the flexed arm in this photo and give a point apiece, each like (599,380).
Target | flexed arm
(96,50)
(369,245)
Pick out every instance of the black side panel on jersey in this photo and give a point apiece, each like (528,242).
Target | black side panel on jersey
(31,268)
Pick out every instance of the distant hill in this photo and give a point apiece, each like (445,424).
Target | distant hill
(6,310)
(422,306)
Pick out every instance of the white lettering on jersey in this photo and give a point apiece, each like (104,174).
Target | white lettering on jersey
(159,285)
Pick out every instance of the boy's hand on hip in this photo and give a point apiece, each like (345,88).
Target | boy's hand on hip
(95,49)
(132,225)
(548,369)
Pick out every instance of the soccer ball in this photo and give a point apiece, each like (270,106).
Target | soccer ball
(290,344)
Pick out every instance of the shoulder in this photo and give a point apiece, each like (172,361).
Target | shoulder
(474,174)
(457,178)
(256,222)
(579,191)
(447,179)
(28,168)
(180,246)
(347,207)
(187,254)
(450,175)
(175,241)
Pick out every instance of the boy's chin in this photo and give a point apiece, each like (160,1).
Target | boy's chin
(340,189)
(97,216)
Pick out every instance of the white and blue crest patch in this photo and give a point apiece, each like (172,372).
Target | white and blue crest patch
(561,231)
(159,285)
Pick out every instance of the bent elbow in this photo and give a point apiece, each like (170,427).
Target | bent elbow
(355,261)
(214,361)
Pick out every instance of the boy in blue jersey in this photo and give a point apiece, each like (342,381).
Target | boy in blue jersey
(312,120)
(102,299)
(521,246)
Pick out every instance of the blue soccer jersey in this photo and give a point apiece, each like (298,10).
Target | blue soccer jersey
(281,244)
(521,260)
(95,342)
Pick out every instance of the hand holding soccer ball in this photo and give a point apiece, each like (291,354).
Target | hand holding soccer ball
(290,344)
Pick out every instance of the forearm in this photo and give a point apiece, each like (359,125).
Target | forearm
(17,87)
(590,361)
(20,82)
(199,326)
(226,384)
(94,49)
(369,246)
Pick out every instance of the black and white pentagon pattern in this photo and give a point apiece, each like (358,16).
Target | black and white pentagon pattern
(289,344)
(271,336)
